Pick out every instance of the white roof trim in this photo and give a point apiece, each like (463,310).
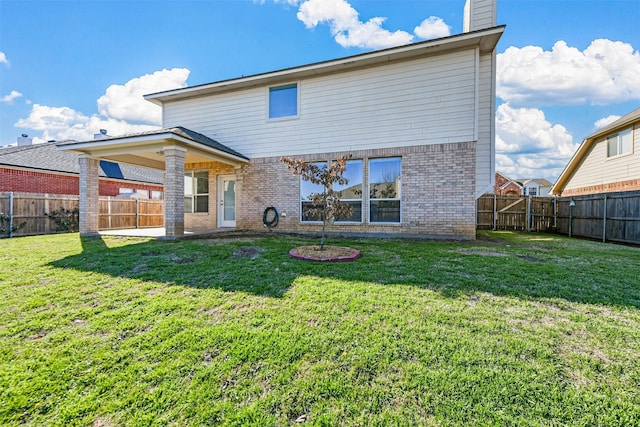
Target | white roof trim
(486,40)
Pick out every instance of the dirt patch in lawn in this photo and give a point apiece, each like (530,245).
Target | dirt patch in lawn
(250,252)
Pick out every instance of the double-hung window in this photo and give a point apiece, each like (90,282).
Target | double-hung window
(384,190)
(283,101)
(620,143)
(196,192)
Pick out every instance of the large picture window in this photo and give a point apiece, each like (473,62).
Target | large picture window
(620,143)
(384,190)
(283,101)
(196,191)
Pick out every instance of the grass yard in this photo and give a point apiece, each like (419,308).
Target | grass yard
(513,329)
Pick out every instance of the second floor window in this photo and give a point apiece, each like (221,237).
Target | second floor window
(620,143)
(283,101)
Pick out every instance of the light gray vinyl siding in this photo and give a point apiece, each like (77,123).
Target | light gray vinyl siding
(597,169)
(425,101)
(481,14)
(485,148)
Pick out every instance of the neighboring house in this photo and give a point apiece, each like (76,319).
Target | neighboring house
(42,168)
(417,120)
(536,187)
(505,186)
(606,161)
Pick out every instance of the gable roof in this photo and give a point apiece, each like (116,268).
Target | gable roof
(47,158)
(586,146)
(486,40)
(540,181)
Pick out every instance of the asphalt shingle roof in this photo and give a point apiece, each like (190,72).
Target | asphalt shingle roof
(47,157)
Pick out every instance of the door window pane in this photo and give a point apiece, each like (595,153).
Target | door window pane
(229,197)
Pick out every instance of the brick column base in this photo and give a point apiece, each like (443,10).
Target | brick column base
(89,195)
(174,191)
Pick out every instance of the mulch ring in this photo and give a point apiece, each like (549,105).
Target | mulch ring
(328,254)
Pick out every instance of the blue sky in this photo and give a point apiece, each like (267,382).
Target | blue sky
(69,68)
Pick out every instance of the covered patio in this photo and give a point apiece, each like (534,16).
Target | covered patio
(164,149)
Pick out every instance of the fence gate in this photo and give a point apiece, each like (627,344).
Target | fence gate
(515,213)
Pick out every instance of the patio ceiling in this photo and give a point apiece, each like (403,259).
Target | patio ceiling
(147,149)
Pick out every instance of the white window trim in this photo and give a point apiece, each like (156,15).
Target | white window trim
(285,118)
(194,194)
(619,141)
(369,199)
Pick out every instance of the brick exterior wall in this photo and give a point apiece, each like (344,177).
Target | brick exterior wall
(436,197)
(30,181)
(209,220)
(612,187)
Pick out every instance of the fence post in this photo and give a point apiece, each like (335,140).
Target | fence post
(495,212)
(528,214)
(10,214)
(137,214)
(604,220)
(555,214)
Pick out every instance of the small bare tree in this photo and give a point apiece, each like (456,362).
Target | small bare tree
(326,206)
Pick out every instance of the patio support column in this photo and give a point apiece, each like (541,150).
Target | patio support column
(174,191)
(89,195)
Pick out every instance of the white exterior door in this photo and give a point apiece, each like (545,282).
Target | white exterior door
(227,201)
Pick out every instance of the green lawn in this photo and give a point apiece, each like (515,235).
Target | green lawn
(513,329)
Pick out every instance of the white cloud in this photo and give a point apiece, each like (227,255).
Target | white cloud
(126,102)
(122,110)
(346,27)
(63,123)
(3,58)
(432,28)
(605,72)
(528,146)
(8,99)
(605,121)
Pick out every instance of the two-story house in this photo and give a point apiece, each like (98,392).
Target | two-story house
(417,122)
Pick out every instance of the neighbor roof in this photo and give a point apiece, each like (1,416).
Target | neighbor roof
(47,157)
(586,147)
(485,39)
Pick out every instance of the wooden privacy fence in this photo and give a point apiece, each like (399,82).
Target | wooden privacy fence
(34,209)
(515,213)
(610,217)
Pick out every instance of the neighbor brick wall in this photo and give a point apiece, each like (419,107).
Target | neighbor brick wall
(26,181)
(437,192)
(510,189)
(612,187)
(29,181)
